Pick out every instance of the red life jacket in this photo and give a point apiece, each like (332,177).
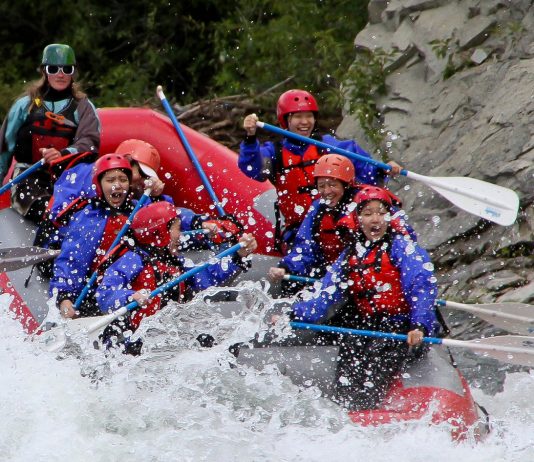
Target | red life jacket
(376,287)
(64,217)
(294,183)
(331,231)
(149,279)
(44,129)
(113,226)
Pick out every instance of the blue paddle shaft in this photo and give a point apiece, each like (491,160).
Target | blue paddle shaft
(25,174)
(361,333)
(293,277)
(187,274)
(189,232)
(190,153)
(327,146)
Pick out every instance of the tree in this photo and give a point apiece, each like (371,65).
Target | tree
(193,48)
(267,41)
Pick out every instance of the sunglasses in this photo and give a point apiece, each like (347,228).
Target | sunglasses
(53,70)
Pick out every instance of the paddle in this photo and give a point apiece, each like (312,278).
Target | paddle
(54,340)
(193,232)
(116,242)
(292,277)
(26,173)
(506,348)
(14,258)
(513,317)
(189,150)
(491,202)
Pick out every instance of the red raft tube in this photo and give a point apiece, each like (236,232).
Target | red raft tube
(248,200)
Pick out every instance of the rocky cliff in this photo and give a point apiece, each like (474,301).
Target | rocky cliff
(460,102)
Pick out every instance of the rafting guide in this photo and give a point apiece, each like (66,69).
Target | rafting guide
(54,121)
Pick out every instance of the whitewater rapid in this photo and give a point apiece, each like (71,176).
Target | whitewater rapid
(181,402)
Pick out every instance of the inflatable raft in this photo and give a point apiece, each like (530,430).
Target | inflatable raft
(431,387)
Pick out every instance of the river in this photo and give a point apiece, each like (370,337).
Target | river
(181,402)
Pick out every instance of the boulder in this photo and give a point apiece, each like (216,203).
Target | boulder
(460,102)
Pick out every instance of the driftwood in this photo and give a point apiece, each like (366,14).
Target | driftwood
(221,118)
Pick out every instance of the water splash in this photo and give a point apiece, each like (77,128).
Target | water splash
(179,401)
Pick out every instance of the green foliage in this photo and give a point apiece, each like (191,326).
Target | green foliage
(268,41)
(124,49)
(366,79)
(449,50)
(193,48)
(441,47)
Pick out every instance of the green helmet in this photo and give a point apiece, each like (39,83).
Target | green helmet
(58,54)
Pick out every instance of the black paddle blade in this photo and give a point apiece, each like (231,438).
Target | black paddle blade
(14,258)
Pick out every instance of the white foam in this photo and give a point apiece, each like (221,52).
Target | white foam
(181,402)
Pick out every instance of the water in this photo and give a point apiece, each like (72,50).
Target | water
(181,402)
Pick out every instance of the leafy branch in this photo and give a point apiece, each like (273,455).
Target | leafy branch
(363,82)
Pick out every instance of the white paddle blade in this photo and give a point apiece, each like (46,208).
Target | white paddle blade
(81,328)
(512,317)
(492,202)
(55,339)
(512,349)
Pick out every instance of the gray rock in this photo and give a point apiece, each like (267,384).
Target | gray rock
(479,56)
(375,10)
(475,31)
(497,281)
(524,294)
(372,37)
(397,10)
(478,122)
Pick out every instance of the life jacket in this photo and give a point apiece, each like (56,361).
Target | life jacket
(45,129)
(294,182)
(64,217)
(330,229)
(112,228)
(376,285)
(152,275)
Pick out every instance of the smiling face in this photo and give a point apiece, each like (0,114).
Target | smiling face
(301,123)
(374,219)
(115,187)
(331,190)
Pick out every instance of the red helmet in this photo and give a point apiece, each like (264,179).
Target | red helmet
(110,162)
(294,101)
(151,223)
(335,166)
(144,153)
(370,193)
